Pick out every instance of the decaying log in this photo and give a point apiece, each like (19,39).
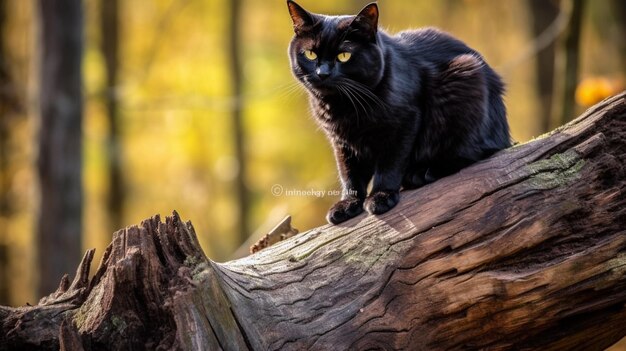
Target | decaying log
(526,250)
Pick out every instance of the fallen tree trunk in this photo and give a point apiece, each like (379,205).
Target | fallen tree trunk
(526,250)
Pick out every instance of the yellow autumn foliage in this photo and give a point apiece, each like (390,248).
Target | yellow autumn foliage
(592,90)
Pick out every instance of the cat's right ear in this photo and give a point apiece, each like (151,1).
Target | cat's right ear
(302,19)
(366,22)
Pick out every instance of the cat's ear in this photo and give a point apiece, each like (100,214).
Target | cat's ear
(302,19)
(366,21)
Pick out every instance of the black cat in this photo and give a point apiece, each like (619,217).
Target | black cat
(403,110)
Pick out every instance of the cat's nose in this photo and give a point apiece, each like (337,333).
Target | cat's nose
(323,71)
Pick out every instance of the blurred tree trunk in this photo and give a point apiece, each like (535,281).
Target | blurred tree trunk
(110,27)
(8,105)
(4,273)
(619,8)
(238,129)
(543,13)
(4,178)
(60,139)
(572,58)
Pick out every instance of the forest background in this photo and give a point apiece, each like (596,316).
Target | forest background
(190,105)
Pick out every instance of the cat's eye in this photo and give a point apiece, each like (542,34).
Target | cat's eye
(310,55)
(344,56)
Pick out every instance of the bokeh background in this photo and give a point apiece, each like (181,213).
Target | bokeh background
(190,105)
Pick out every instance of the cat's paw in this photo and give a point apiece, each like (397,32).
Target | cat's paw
(414,180)
(381,201)
(431,176)
(344,210)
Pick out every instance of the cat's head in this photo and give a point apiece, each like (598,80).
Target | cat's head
(328,52)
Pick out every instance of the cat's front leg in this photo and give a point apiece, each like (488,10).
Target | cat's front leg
(388,175)
(385,196)
(355,175)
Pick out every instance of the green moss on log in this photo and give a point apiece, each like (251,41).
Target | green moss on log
(559,170)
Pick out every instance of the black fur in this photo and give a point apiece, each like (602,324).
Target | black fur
(403,111)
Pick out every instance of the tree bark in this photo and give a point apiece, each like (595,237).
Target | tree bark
(59,160)
(525,250)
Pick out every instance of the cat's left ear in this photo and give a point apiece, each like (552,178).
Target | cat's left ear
(366,21)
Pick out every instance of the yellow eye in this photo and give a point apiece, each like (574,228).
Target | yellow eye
(344,56)
(310,55)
